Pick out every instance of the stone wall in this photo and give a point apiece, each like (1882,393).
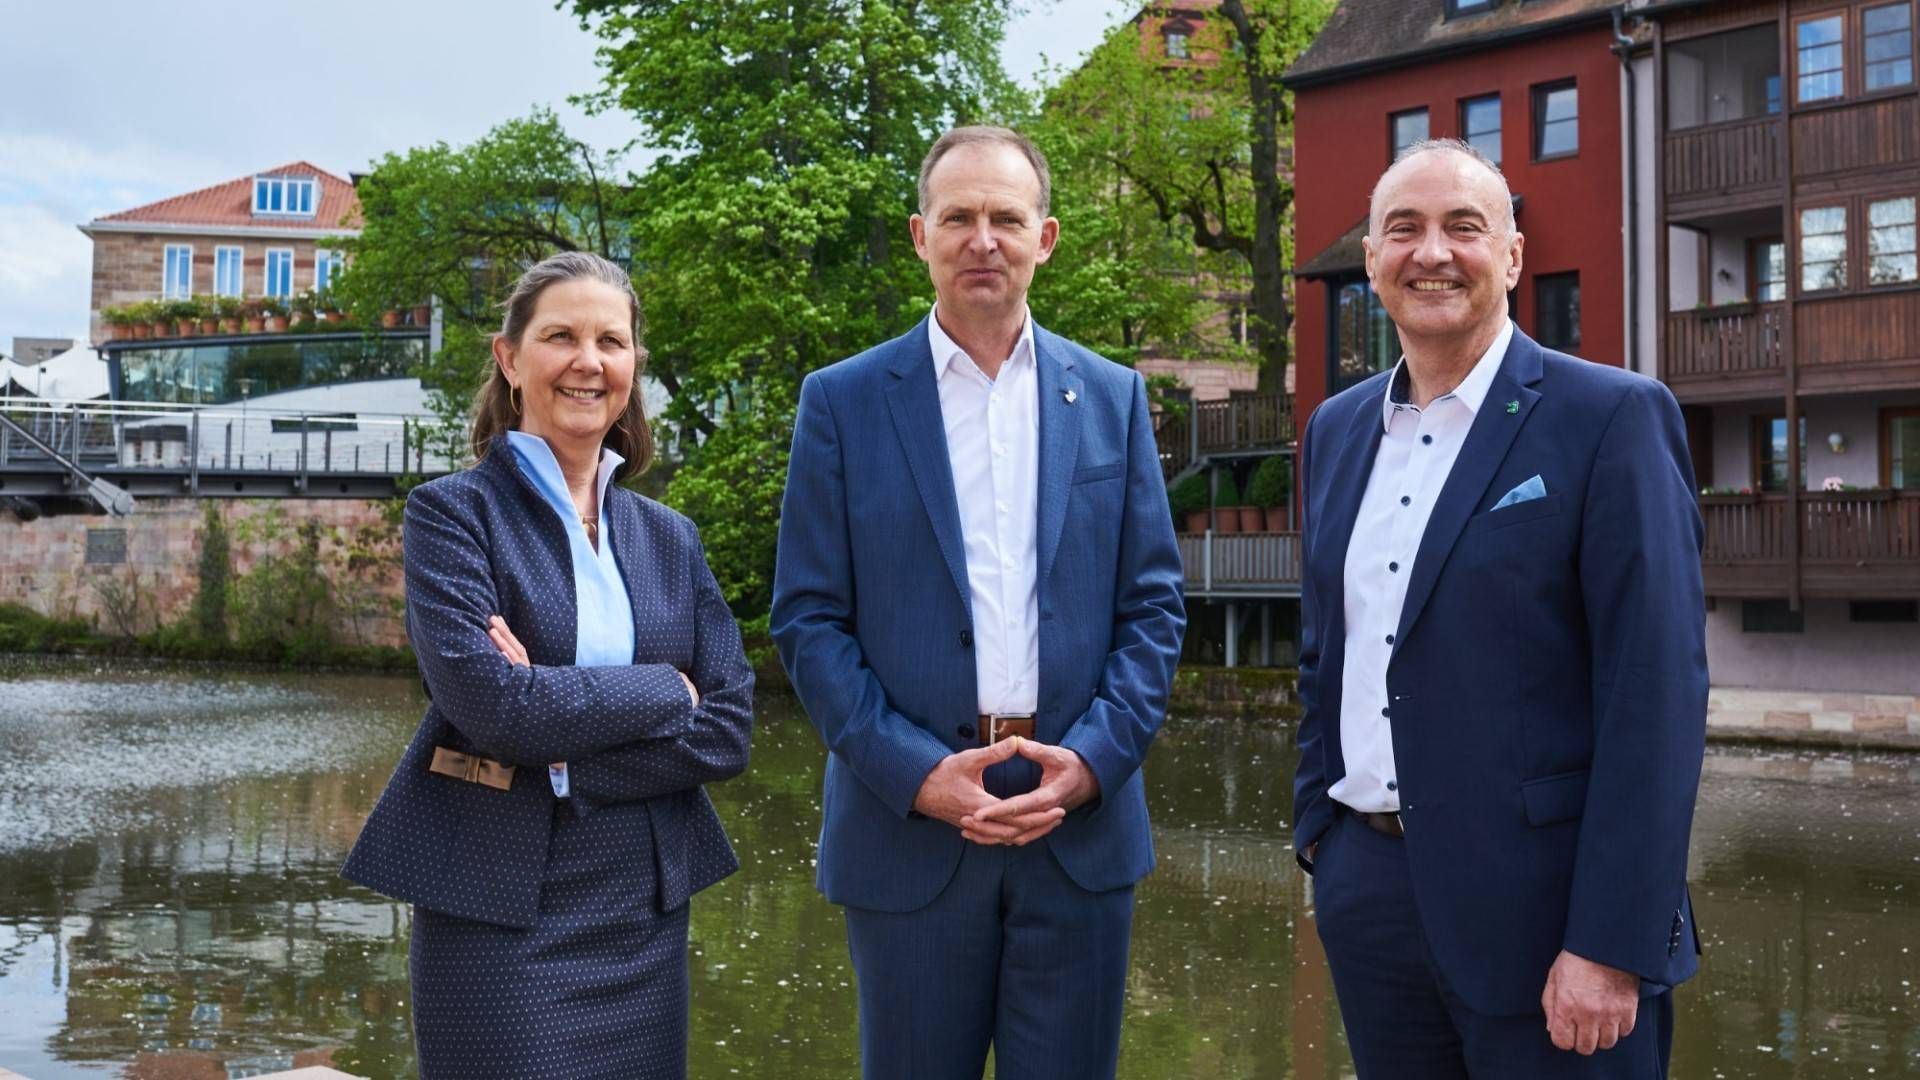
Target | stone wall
(74,565)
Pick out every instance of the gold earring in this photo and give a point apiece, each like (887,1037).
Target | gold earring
(511,400)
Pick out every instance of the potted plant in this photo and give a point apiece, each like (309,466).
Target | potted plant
(1271,484)
(301,309)
(154,314)
(118,323)
(227,311)
(1188,500)
(185,315)
(209,313)
(253,315)
(422,315)
(275,311)
(1226,505)
(390,318)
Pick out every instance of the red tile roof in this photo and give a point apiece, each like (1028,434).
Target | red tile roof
(231,204)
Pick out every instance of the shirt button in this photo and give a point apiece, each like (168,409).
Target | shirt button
(1406,500)
(1389,639)
(965,731)
(1385,711)
(966,639)
(1428,439)
(1391,786)
(1393,568)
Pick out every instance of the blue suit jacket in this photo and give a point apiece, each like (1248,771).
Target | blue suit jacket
(872,616)
(1548,684)
(483,542)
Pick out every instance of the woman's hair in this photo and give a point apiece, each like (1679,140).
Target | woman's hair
(493,413)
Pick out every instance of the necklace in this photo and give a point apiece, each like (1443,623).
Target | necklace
(593,530)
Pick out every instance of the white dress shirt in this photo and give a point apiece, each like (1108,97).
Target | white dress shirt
(993,441)
(1416,454)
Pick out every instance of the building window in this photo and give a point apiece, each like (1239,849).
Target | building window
(1770,453)
(1480,125)
(177,284)
(1900,439)
(1770,617)
(1556,121)
(1456,8)
(1890,242)
(227,262)
(326,267)
(1177,44)
(279,272)
(1823,248)
(1407,128)
(1886,38)
(1556,311)
(1883,611)
(1364,340)
(283,195)
(1768,269)
(1723,77)
(1820,58)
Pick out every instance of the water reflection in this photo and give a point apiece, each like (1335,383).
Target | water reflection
(169,905)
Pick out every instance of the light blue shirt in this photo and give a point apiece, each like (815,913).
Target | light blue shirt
(604,637)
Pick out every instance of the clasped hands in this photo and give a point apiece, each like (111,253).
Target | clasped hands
(955,792)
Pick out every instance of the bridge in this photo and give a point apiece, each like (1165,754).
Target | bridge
(66,455)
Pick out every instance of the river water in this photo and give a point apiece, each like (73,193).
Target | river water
(170,908)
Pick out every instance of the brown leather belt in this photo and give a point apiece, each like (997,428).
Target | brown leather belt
(997,726)
(1380,822)
(474,770)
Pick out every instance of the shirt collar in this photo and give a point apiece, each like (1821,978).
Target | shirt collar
(1471,392)
(537,456)
(945,348)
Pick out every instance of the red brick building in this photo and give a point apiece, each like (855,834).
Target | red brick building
(258,235)
(1536,85)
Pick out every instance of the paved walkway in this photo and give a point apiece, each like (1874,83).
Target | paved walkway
(1887,721)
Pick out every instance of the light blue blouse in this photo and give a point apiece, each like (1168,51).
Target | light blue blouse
(605,634)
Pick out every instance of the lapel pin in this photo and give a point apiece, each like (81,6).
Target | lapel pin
(1512,407)
(1070,396)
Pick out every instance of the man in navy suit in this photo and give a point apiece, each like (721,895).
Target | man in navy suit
(1503,669)
(978,601)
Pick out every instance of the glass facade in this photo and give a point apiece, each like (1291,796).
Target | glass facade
(1723,77)
(1365,341)
(213,373)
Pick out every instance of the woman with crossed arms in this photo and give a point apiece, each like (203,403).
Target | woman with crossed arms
(585,678)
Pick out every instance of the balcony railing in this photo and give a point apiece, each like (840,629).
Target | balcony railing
(1723,158)
(1715,342)
(1247,423)
(1852,543)
(1254,563)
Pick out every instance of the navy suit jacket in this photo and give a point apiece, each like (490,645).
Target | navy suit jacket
(872,615)
(1548,685)
(484,542)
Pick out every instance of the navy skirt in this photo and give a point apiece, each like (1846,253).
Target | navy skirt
(597,988)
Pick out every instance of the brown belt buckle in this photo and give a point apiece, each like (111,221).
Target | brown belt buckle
(997,726)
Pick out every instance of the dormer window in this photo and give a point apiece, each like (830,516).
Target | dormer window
(1457,8)
(1177,44)
(290,195)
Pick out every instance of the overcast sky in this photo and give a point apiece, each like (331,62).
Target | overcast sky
(109,104)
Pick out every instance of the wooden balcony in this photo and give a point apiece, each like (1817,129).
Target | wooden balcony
(1853,544)
(1243,425)
(1724,353)
(1708,168)
(1241,564)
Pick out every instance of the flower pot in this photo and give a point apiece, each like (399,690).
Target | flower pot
(137,331)
(422,314)
(1276,518)
(116,331)
(186,328)
(1252,519)
(161,329)
(276,324)
(1196,521)
(390,318)
(1226,519)
(210,326)
(256,323)
(229,324)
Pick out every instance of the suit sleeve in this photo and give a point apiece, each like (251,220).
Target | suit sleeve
(1312,811)
(521,715)
(813,619)
(1646,613)
(1149,618)
(715,743)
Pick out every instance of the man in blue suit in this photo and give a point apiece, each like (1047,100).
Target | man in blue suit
(978,601)
(1504,672)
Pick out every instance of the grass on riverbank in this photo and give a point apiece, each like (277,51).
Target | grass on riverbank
(24,630)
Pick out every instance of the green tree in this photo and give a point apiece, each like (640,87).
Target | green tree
(1200,147)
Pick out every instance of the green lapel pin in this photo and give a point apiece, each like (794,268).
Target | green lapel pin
(1512,407)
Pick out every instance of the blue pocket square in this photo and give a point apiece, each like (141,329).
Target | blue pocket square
(1533,488)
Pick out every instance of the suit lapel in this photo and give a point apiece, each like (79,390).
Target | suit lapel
(1488,440)
(914,402)
(1354,450)
(1059,444)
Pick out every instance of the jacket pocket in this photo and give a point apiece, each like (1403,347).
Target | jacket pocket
(1515,513)
(1556,798)
(1099,472)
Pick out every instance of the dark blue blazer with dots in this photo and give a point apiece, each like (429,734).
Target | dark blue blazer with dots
(873,615)
(483,542)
